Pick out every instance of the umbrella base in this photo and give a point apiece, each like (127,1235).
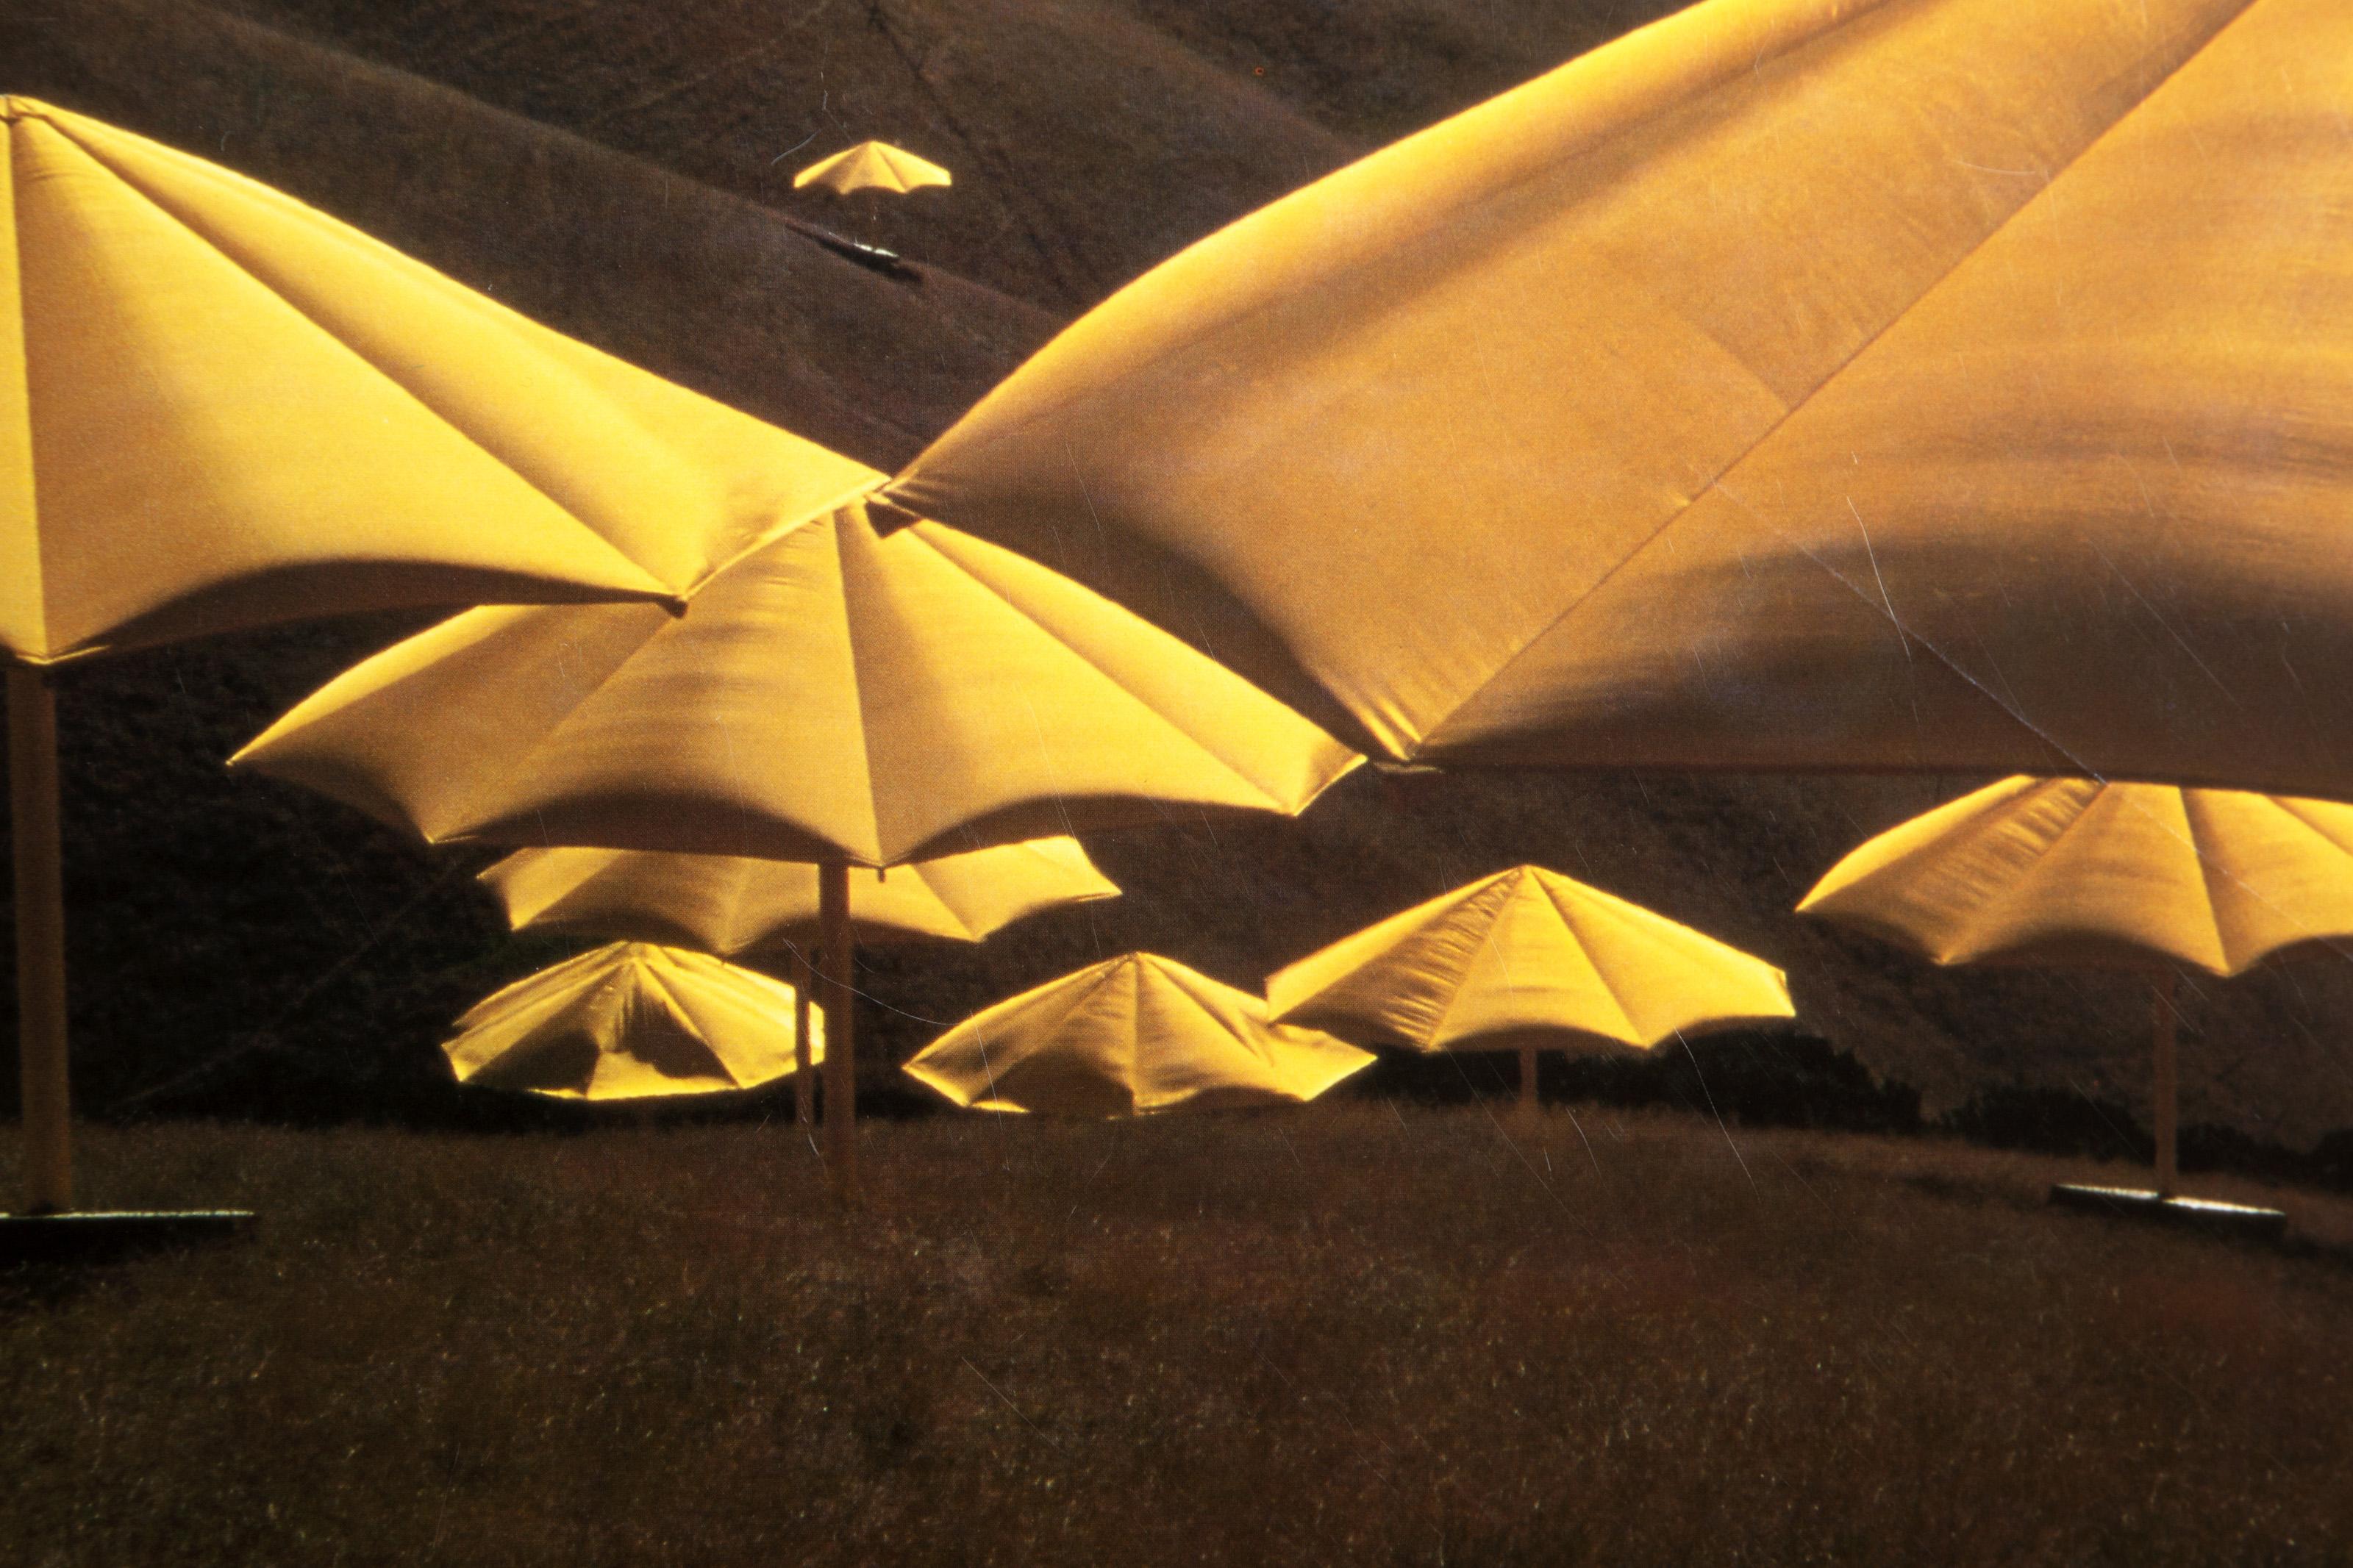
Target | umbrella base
(103,1237)
(2208,1215)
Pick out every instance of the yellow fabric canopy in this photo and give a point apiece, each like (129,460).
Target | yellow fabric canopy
(1526,952)
(1921,384)
(832,694)
(2071,870)
(873,166)
(728,904)
(1136,1033)
(627,1022)
(220,408)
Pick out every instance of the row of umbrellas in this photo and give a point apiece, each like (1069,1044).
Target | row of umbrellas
(2026,870)
(1940,467)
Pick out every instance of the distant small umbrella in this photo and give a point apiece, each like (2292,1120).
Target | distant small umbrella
(631,1021)
(1136,1033)
(1526,959)
(2077,871)
(873,166)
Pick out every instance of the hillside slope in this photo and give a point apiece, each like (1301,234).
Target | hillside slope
(617,168)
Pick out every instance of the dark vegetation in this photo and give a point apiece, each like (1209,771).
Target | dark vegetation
(1370,1333)
(617,167)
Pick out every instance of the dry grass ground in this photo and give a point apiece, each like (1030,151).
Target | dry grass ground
(1351,1333)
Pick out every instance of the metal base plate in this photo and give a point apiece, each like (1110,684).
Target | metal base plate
(2209,1215)
(99,1237)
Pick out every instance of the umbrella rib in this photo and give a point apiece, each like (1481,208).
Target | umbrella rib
(1944,279)
(1633,1031)
(1121,687)
(202,236)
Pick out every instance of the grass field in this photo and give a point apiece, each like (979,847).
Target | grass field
(1356,1333)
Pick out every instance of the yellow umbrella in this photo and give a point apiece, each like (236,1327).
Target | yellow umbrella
(220,408)
(1134,1034)
(832,694)
(1524,958)
(627,1022)
(873,166)
(727,904)
(2070,870)
(1787,384)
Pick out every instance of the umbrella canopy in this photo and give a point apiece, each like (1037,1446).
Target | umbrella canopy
(832,694)
(1136,1033)
(873,166)
(1790,383)
(1527,951)
(728,904)
(2069,870)
(220,408)
(628,1022)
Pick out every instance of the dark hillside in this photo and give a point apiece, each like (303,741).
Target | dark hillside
(604,164)
(706,289)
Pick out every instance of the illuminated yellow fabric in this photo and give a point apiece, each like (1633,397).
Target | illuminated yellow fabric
(1791,382)
(1522,952)
(219,409)
(631,1021)
(2070,870)
(1137,1034)
(830,694)
(873,166)
(729,903)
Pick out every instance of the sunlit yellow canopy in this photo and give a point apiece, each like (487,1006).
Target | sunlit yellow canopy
(832,694)
(2072,870)
(873,166)
(1138,1033)
(727,904)
(631,1021)
(219,407)
(1521,953)
(1791,382)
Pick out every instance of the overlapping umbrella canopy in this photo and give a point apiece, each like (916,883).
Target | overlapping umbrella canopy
(834,695)
(220,408)
(873,166)
(631,1021)
(1526,959)
(1789,384)
(729,904)
(1132,1034)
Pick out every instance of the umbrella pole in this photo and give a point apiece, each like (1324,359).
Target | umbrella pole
(840,1053)
(1528,1076)
(2165,1022)
(804,1086)
(40,940)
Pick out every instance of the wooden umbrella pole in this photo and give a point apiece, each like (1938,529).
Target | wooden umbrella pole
(804,1086)
(1528,1074)
(2165,1021)
(841,1050)
(40,941)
